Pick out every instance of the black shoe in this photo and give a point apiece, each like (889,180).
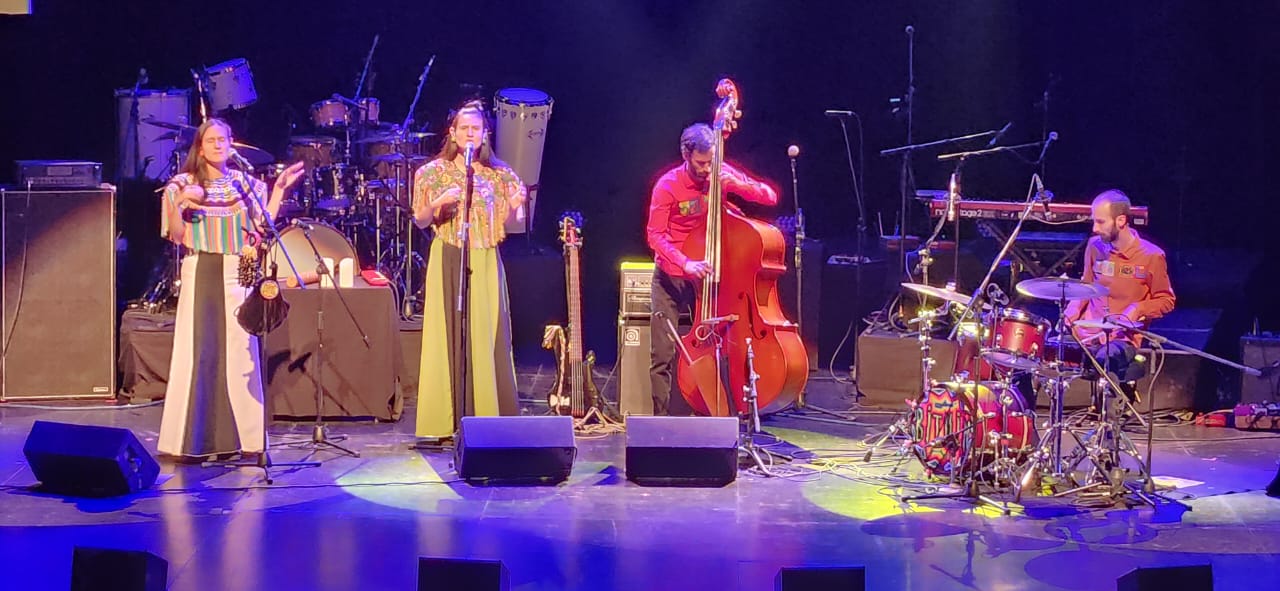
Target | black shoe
(1273,489)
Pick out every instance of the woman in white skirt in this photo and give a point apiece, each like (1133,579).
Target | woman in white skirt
(213,403)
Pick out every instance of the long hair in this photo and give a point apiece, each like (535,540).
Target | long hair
(485,154)
(194,165)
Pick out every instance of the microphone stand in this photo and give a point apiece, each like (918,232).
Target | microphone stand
(318,431)
(264,461)
(463,304)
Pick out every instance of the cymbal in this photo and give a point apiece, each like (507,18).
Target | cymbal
(169,125)
(1060,288)
(1116,323)
(391,136)
(940,293)
(256,156)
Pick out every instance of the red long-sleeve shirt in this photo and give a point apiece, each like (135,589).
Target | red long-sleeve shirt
(678,207)
(1136,278)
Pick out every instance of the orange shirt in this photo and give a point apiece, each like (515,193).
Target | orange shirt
(1137,280)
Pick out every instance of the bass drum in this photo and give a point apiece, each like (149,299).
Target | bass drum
(959,427)
(329,242)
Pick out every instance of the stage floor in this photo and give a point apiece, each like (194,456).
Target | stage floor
(361,523)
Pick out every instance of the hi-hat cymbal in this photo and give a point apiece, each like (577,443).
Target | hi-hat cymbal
(1060,288)
(940,293)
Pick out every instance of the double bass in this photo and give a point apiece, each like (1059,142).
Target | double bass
(737,312)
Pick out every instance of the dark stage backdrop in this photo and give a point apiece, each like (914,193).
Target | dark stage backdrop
(1170,100)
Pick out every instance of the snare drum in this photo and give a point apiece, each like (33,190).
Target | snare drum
(230,86)
(1019,340)
(329,113)
(1069,361)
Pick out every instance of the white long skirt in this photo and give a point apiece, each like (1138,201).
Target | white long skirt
(213,402)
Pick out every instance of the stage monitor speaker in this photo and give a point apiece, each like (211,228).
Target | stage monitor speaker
(456,574)
(515,450)
(682,451)
(59,294)
(106,569)
(635,390)
(821,578)
(87,460)
(1183,578)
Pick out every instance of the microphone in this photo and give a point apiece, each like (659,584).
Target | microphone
(999,134)
(470,153)
(239,160)
(953,198)
(997,295)
(1042,195)
(303,224)
(837,114)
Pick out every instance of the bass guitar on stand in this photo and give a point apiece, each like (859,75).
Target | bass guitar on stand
(574,392)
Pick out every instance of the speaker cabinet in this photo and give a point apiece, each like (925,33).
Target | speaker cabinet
(1260,351)
(104,569)
(59,294)
(682,451)
(888,366)
(635,390)
(455,574)
(1183,578)
(821,578)
(515,450)
(88,461)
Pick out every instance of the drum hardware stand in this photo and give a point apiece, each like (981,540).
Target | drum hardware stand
(1033,197)
(319,435)
(263,461)
(926,318)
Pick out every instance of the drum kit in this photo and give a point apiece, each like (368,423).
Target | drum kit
(359,168)
(977,427)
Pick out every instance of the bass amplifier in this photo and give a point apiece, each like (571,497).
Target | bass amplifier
(59,174)
(634,290)
(59,294)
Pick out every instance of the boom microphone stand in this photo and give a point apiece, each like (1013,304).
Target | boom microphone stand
(263,460)
(318,431)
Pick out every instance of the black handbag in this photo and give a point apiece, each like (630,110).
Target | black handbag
(265,308)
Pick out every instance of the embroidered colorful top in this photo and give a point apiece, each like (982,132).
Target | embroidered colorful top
(225,218)
(490,201)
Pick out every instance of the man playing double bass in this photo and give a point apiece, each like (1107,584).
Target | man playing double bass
(677,209)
